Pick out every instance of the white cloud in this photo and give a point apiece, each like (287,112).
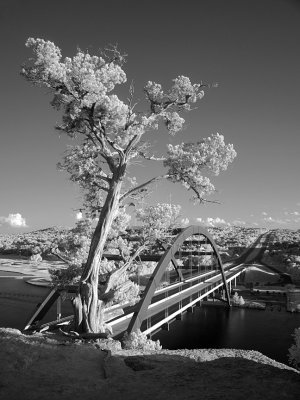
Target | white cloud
(212,221)
(14,220)
(185,221)
(264,213)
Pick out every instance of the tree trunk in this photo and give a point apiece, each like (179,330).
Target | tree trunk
(90,320)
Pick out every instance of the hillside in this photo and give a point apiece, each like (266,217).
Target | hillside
(43,240)
(282,246)
(283,252)
(40,367)
(26,244)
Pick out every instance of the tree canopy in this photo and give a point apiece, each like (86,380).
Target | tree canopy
(112,130)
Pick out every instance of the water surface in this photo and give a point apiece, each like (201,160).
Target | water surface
(266,331)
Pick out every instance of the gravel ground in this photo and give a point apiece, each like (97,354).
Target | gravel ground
(50,367)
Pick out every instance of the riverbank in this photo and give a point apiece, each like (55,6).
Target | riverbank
(44,367)
(37,272)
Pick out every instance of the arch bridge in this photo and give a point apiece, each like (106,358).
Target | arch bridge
(189,269)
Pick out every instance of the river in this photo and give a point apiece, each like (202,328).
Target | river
(19,299)
(267,331)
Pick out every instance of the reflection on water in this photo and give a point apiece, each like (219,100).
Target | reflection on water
(217,327)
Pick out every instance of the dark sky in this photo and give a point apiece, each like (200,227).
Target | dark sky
(250,47)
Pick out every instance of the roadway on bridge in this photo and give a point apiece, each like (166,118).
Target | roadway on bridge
(255,254)
(174,297)
(159,303)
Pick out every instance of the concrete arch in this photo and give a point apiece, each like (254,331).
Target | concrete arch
(169,256)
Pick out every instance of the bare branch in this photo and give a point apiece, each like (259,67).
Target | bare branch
(139,187)
(116,147)
(201,199)
(110,286)
(106,153)
(57,254)
(100,187)
(151,158)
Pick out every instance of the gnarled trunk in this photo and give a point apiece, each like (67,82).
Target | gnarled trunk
(89,308)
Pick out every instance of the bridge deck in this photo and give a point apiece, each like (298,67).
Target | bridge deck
(176,298)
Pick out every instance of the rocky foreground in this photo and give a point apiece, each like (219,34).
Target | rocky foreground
(51,367)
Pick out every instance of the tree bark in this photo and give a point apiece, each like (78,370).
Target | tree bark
(91,306)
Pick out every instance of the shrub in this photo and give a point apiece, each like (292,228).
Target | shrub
(65,276)
(238,300)
(294,350)
(235,298)
(139,341)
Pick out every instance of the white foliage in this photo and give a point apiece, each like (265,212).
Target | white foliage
(82,87)
(186,162)
(157,220)
(139,341)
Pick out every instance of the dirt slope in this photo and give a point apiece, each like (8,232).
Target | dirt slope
(39,367)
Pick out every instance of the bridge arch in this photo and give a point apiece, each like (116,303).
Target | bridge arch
(140,313)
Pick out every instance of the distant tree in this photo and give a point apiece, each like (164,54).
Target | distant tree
(156,221)
(241,301)
(110,136)
(236,298)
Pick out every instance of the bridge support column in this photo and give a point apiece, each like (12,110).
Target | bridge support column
(58,308)
(166,327)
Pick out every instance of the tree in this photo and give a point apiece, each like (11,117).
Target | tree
(156,221)
(111,136)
